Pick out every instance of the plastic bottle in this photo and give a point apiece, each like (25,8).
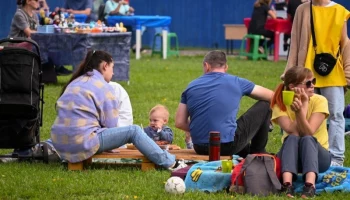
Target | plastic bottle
(214,145)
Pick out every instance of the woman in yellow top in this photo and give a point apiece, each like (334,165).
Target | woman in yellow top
(331,36)
(305,139)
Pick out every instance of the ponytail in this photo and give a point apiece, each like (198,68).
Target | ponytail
(277,98)
(294,75)
(92,61)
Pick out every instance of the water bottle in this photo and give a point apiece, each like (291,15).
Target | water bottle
(214,145)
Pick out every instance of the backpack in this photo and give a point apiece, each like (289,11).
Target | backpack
(257,174)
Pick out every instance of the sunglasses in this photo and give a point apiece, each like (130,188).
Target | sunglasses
(309,83)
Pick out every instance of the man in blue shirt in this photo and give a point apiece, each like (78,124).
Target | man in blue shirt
(211,103)
(78,7)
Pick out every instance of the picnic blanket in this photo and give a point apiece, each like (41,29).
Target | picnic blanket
(207,177)
(334,179)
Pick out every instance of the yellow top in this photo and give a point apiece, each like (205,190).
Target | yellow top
(317,104)
(328,23)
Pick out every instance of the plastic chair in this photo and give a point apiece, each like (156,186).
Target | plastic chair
(170,51)
(253,48)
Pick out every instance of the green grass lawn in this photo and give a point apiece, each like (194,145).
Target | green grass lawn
(152,81)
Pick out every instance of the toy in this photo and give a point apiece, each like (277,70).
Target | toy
(44,19)
(121,27)
(175,185)
(56,19)
(71,20)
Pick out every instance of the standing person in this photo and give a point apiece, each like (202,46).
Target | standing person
(258,20)
(211,103)
(330,28)
(304,123)
(25,21)
(87,116)
(291,8)
(157,129)
(75,7)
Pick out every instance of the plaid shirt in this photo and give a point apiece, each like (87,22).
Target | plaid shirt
(86,108)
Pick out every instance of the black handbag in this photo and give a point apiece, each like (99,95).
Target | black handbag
(324,62)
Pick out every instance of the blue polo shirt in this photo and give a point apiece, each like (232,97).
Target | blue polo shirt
(213,102)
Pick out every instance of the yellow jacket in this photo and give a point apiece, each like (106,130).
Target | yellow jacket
(330,29)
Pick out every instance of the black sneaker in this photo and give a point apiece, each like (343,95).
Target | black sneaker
(308,191)
(62,71)
(288,189)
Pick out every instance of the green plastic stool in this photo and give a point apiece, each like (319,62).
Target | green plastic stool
(254,47)
(170,51)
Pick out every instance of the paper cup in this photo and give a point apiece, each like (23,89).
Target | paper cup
(226,166)
(288,97)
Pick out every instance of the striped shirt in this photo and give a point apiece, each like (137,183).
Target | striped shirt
(87,107)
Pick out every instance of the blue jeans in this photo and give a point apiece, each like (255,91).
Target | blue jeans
(336,129)
(115,137)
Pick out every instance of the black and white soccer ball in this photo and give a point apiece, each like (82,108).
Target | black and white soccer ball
(175,185)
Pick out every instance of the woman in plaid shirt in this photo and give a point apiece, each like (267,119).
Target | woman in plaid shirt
(87,117)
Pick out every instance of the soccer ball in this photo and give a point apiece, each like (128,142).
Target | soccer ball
(175,185)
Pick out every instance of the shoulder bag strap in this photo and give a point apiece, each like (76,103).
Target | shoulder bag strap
(247,161)
(314,44)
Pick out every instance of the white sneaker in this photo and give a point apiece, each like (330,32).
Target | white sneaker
(336,164)
(178,165)
(52,154)
(7,160)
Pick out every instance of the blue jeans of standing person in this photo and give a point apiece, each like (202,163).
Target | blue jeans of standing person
(115,137)
(336,129)
(303,154)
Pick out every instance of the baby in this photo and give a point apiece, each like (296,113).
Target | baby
(157,129)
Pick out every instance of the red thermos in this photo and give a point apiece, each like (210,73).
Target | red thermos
(214,145)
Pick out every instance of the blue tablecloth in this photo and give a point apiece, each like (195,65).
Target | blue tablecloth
(71,49)
(140,20)
(81,18)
